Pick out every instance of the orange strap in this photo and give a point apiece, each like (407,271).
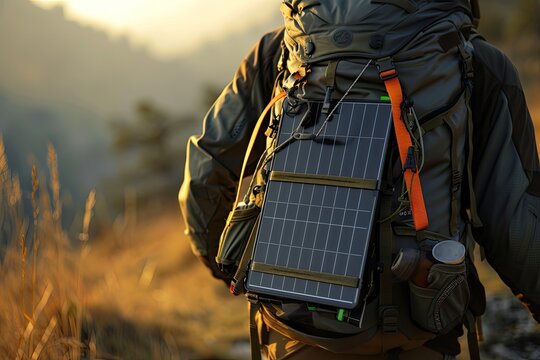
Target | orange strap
(412,179)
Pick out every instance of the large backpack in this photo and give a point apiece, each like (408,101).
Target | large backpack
(413,59)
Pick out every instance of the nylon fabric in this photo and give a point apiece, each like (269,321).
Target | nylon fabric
(315,23)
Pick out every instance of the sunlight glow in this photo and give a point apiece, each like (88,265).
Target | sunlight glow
(168,27)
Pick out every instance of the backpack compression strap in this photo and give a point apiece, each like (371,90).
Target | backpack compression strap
(389,75)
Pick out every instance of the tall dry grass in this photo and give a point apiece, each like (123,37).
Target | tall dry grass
(42,307)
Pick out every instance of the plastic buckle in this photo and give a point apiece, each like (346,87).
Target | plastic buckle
(410,162)
(386,67)
(252,298)
(293,80)
(236,287)
(327,100)
(232,289)
(389,316)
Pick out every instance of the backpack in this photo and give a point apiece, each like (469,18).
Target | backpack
(410,64)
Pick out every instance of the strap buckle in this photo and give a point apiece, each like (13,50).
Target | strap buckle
(389,316)
(236,287)
(294,79)
(253,298)
(386,68)
(410,162)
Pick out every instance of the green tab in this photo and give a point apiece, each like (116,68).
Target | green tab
(385,98)
(340,314)
(311,308)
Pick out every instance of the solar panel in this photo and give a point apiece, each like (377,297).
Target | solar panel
(319,206)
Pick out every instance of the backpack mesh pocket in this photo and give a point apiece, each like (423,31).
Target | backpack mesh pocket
(234,238)
(442,305)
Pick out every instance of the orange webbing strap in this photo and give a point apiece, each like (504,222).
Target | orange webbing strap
(253,138)
(412,178)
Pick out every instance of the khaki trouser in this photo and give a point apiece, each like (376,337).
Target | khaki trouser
(275,346)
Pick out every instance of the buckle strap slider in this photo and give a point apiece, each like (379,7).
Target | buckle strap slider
(389,316)
(386,67)
(410,163)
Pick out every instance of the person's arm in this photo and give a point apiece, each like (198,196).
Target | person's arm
(214,158)
(506,174)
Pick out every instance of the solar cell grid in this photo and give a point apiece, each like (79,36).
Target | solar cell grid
(316,228)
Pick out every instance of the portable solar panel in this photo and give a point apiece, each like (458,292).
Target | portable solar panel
(319,206)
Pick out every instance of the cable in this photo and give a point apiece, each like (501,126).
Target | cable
(329,116)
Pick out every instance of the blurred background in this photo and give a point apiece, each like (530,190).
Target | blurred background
(97,100)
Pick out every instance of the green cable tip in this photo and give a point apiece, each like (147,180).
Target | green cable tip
(312,308)
(385,98)
(340,314)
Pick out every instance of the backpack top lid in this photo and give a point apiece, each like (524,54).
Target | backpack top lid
(318,30)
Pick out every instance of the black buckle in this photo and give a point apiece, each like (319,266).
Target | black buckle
(386,68)
(253,298)
(389,316)
(327,100)
(410,162)
(236,287)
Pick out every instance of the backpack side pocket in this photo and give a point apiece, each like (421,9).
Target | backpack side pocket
(442,305)
(234,238)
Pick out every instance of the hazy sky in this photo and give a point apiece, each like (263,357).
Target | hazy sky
(168,27)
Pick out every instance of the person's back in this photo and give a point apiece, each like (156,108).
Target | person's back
(427,45)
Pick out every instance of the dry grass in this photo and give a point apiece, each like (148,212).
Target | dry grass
(155,281)
(134,293)
(37,317)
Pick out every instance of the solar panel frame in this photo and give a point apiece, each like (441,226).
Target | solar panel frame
(282,265)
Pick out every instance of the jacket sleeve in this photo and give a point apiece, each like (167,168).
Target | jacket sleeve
(506,175)
(214,158)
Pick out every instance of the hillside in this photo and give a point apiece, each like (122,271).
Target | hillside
(61,82)
(57,61)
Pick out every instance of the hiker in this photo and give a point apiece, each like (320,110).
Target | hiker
(468,174)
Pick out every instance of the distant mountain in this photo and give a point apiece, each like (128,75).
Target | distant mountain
(48,59)
(61,82)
